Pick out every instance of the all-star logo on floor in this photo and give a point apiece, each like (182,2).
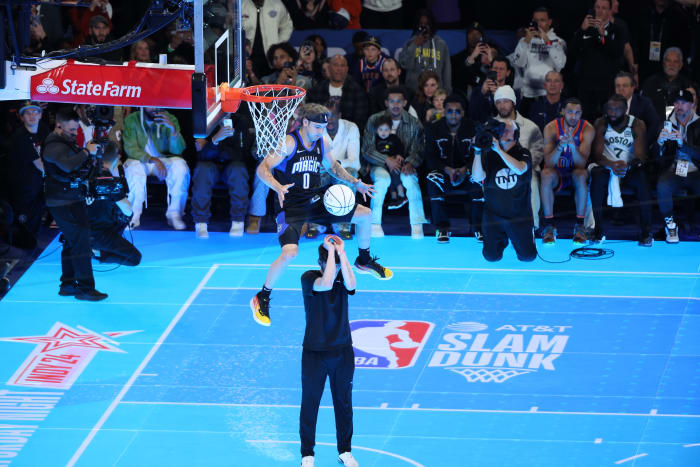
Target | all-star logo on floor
(61,355)
(383,343)
(512,350)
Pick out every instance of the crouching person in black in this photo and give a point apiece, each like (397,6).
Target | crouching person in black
(449,155)
(110,212)
(66,167)
(506,170)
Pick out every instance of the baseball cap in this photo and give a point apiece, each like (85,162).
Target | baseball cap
(373,40)
(475,26)
(97,19)
(682,95)
(504,92)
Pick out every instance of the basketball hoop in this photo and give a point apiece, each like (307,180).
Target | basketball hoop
(271,106)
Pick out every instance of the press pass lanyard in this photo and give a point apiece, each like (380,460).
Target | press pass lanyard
(655,45)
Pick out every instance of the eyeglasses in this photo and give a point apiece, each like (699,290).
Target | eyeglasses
(453,111)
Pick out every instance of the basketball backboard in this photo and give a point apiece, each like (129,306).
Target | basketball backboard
(219,57)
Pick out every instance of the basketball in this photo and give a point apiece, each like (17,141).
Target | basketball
(339,199)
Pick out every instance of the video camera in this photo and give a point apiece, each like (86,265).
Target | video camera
(486,132)
(102,187)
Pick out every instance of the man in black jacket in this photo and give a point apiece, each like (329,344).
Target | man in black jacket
(226,157)
(353,99)
(637,105)
(680,159)
(66,168)
(449,156)
(600,45)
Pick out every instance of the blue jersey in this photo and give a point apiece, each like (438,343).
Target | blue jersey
(566,159)
(302,168)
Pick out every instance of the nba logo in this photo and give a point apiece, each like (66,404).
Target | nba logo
(384,343)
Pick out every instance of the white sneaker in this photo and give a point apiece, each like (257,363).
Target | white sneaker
(135,222)
(307,461)
(347,460)
(672,233)
(417,231)
(236,229)
(200,229)
(377,231)
(176,221)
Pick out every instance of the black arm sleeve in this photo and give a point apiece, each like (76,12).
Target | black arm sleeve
(64,156)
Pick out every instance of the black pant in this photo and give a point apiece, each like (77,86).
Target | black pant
(439,187)
(76,262)
(339,367)
(498,230)
(635,178)
(114,248)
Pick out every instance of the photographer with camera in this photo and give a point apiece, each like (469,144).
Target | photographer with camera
(481,104)
(109,210)
(505,169)
(425,50)
(599,44)
(283,58)
(539,52)
(67,168)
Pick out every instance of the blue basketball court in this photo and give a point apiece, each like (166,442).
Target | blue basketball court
(459,362)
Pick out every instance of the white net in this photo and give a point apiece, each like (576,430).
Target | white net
(271,116)
(488,375)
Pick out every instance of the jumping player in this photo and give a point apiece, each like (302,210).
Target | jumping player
(297,181)
(328,349)
(567,146)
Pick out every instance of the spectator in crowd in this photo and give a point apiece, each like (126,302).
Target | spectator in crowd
(345,148)
(381,14)
(141,51)
(391,74)
(100,34)
(619,151)
(437,111)
(548,107)
(110,215)
(353,99)
(62,158)
(637,105)
(539,52)
(307,65)
(283,57)
(25,183)
(463,61)
(180,45)
(428,84)
(320,46)
(529,137)
(152,142)
(225,158)
(390,145)
(567,146)
(600,47)
(663,86)
(358,46)
(265,22)
(680,159)
(81,18)
(46,29)
(344,14)
(425,50)
(449,157)
(308,14)
(481,104)
(368,72)
(660,26)
(504,169)
(410,132)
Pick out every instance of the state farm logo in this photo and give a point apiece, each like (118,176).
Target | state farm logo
(494,357)
(76,88)
(61,355)
(47,86)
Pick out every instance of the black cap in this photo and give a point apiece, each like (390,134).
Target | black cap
(373,40)
(475,25)
(682,95)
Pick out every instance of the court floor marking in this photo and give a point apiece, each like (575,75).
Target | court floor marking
(450,292)
(456,269)
(412,409)
(354,446)
(86,442)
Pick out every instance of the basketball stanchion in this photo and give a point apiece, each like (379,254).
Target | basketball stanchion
(271,106)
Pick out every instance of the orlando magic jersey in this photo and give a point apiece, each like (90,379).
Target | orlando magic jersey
(566,159)
(619,146)
(302,168)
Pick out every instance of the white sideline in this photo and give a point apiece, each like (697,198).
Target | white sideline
(86,442)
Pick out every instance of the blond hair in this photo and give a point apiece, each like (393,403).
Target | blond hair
(307,110)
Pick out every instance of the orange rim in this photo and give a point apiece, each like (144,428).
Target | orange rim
(251,93)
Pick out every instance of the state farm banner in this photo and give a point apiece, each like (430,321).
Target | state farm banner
(141,85)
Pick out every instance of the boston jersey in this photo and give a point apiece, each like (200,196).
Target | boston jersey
(566,159)
(302,168)
(619,146)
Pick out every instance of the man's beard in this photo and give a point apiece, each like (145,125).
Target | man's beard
(616,121)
